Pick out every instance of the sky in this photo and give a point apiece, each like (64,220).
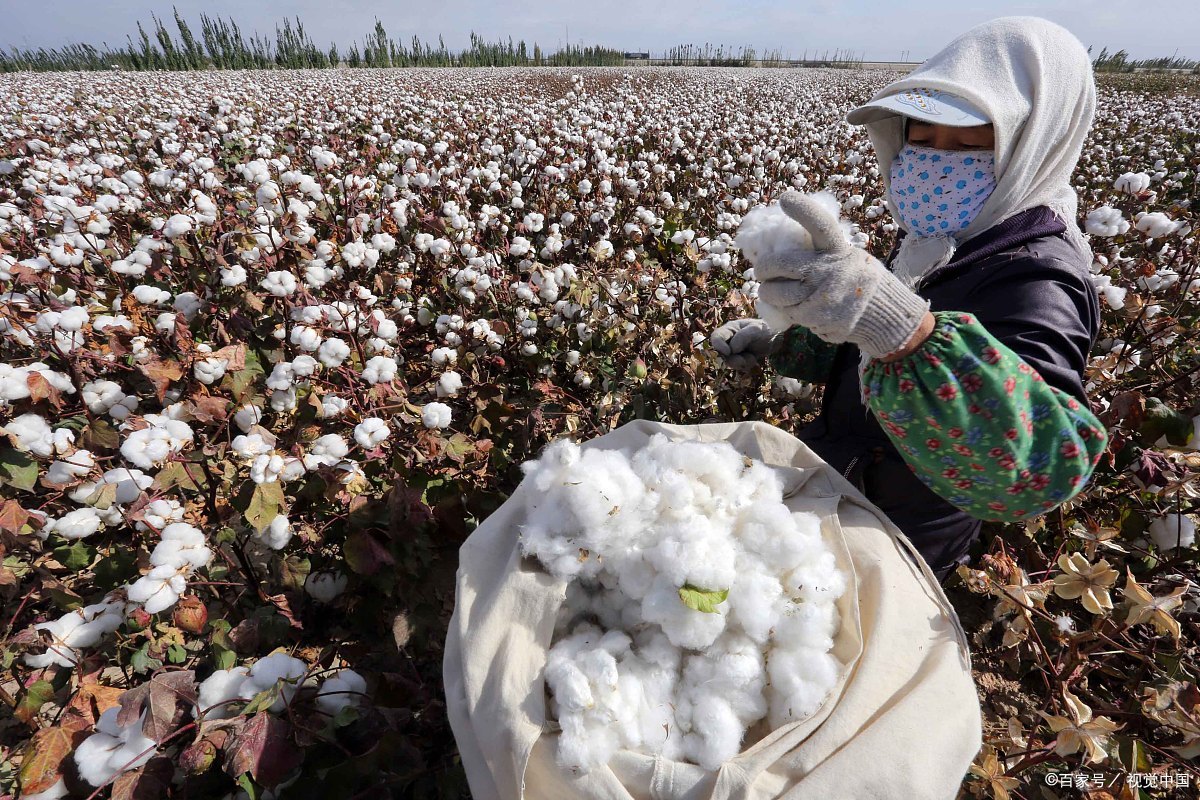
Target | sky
(874,31)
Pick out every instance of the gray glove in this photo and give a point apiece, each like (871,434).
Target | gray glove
(743,343)
(838,291)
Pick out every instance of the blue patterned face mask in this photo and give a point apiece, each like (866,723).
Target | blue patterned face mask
(939,192)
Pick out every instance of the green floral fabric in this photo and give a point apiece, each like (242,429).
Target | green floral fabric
(802,355)
(980,427)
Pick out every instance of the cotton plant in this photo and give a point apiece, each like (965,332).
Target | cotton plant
(697,603)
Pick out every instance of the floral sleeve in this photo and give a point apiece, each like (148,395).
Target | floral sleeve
(801,354)
(980,427)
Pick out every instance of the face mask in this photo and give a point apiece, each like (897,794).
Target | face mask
(940,192)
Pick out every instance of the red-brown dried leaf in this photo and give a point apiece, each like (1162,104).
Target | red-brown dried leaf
(261,746)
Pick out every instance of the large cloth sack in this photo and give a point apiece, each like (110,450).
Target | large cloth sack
(903,721)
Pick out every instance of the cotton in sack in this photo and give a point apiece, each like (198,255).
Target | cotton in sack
(580,672)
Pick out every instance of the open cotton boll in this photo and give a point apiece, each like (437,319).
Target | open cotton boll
(716,734)
(112,748)
(801,678)
(694,630)
(218,690)
(1171,531)
(341,690)
(767,230)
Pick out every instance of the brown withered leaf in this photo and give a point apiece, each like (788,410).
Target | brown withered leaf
(47,749)
(93,699)
(41,389)
(262,748)
(12,516)
(161,373)
(234,354)
(151,781)
(207,408)
(166,698)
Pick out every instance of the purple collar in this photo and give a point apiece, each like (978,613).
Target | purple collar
(1018,229)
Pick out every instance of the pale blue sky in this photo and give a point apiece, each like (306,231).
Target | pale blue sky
(879,31)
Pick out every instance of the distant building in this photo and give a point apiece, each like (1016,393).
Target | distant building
(637,56)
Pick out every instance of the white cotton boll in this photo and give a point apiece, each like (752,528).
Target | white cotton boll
(151,295)
(70,468)
(277,533)
(325,587)
(1106,221)
(158,589)
(435,415)
(248,416)
(281,669)
(716,733)
(753,603)
(218,690)
(1155,224)
(801,679)
(778,536)
(1171,531)
(160,513)
(371,432)
(279,283)
(686,628)
(333,352)
(332,406)
(250,445)
(583,747)
(210,370)
(818,579)
(449,384)
(32,434)
(78,524)
(342,690)
(379,369)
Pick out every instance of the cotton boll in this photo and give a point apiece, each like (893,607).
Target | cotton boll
(716,733)
(806,625)
(341,690)
(281,669)
(219,689)
(800,681)
(754,603)
(777,536)
(817,579)
(694,630)
(325,587)
(1171,531)
(583,747)
(158,589)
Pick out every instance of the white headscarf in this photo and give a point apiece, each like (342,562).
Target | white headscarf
(1034,81)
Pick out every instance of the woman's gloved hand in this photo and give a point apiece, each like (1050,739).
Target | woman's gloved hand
(743,343)
(838,291)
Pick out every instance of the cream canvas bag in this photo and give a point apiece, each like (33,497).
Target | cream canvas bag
(902,722)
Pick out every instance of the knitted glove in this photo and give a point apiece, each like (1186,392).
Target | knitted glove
(742,343)
(838,291)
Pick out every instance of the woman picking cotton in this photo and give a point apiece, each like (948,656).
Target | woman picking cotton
(953,373)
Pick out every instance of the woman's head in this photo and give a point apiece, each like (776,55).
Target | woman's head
(1027,77)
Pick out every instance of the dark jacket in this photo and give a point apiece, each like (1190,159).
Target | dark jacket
(1031,288)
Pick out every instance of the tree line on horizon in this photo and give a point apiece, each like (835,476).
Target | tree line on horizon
(222,44)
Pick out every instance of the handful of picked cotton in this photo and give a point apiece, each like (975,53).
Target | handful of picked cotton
(697,603)
(766,231)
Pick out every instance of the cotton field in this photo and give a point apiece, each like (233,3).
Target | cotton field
(272,343)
